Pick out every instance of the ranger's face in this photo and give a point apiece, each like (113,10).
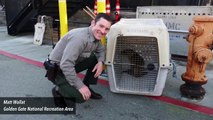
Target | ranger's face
(100,28)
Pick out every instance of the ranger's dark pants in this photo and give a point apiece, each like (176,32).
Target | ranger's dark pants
(66,90)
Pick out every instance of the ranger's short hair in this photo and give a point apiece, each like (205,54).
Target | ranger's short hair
(103,15)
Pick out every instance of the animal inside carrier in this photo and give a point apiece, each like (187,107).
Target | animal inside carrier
(138,56)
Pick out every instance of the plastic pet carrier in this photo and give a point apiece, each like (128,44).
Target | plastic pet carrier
(138,56)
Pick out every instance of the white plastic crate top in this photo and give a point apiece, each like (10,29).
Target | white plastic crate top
(140,32)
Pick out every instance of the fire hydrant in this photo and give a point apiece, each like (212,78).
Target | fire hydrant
(200,40)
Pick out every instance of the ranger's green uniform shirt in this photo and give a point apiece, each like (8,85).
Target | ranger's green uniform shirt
(75,46)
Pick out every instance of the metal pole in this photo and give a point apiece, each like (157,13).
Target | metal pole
(101,8)
(63,17)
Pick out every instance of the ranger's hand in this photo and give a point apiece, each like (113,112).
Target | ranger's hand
(85,92)
(98,68)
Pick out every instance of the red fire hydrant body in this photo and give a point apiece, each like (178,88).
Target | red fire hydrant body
(200,40)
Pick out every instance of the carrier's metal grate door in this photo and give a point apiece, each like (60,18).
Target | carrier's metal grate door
(136,63)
